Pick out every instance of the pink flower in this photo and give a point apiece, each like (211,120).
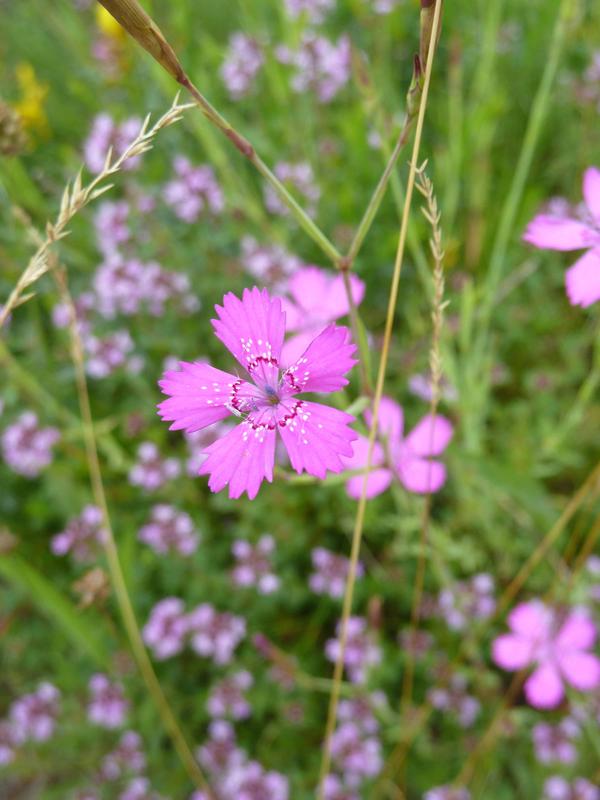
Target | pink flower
(253,564)
(411,455)
(108,706)
(166,629)
(243,60)
(317,299)
(556,644)
(315,436)
(106,134)
(563,232)
(227,698)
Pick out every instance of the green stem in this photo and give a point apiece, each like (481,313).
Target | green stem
(247,150)
(378,194)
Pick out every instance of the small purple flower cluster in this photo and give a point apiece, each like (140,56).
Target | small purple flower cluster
(82,537)
(33,716)
(455,699)
(27,447)
(106,134)
(299,177)
(227,699)
(107,706)
(361,652)
(466,601)
(271,265)
(194,190)
(243,61)
(210,633)
(127,757)
(126,285)
(315,10)
(559,788)
(233,776)
(253,564)
(355,746)
(319,65)
(151,471)
(556,743)
(331,572)
(169,530)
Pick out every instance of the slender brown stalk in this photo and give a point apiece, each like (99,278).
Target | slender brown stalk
(360,514)
(112,556)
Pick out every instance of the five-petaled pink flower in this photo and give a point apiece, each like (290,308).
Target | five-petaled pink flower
(557,644)
(317,298)
(314,435)
(407,457)
(577,232)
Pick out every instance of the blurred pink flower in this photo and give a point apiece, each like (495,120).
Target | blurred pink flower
(253,564)
(105,134)
(317,299)
(243,60)
(166,629)
(411,455)
(299,178)
(315,435)
(321,66)
(108,706)
(227,698)
(169,530)
(26,447)
(33,716)
(556,644)
(194,190)
(569,232)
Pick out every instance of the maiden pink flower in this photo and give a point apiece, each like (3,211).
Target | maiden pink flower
(411,455)
(317,299)
(314,435)
(562,232)
(556,644)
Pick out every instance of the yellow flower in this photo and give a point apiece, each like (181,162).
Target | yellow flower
(108,25)
(30,106)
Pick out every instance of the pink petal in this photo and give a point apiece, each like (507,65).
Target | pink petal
(336,299)
(583,280)
(242,458)
(532,620)
(591,191)
(420,475)
(511,652)
(251,328)
(322,295)
(578,632)
(294,315)
(581,670)
(378,480)
(323,365)
(309,287)
(430,436)
(316,437)
(199,395)
(390,420)
(295,346)
(544,689)
(558,233)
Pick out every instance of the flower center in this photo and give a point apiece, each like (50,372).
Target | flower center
(272,396)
